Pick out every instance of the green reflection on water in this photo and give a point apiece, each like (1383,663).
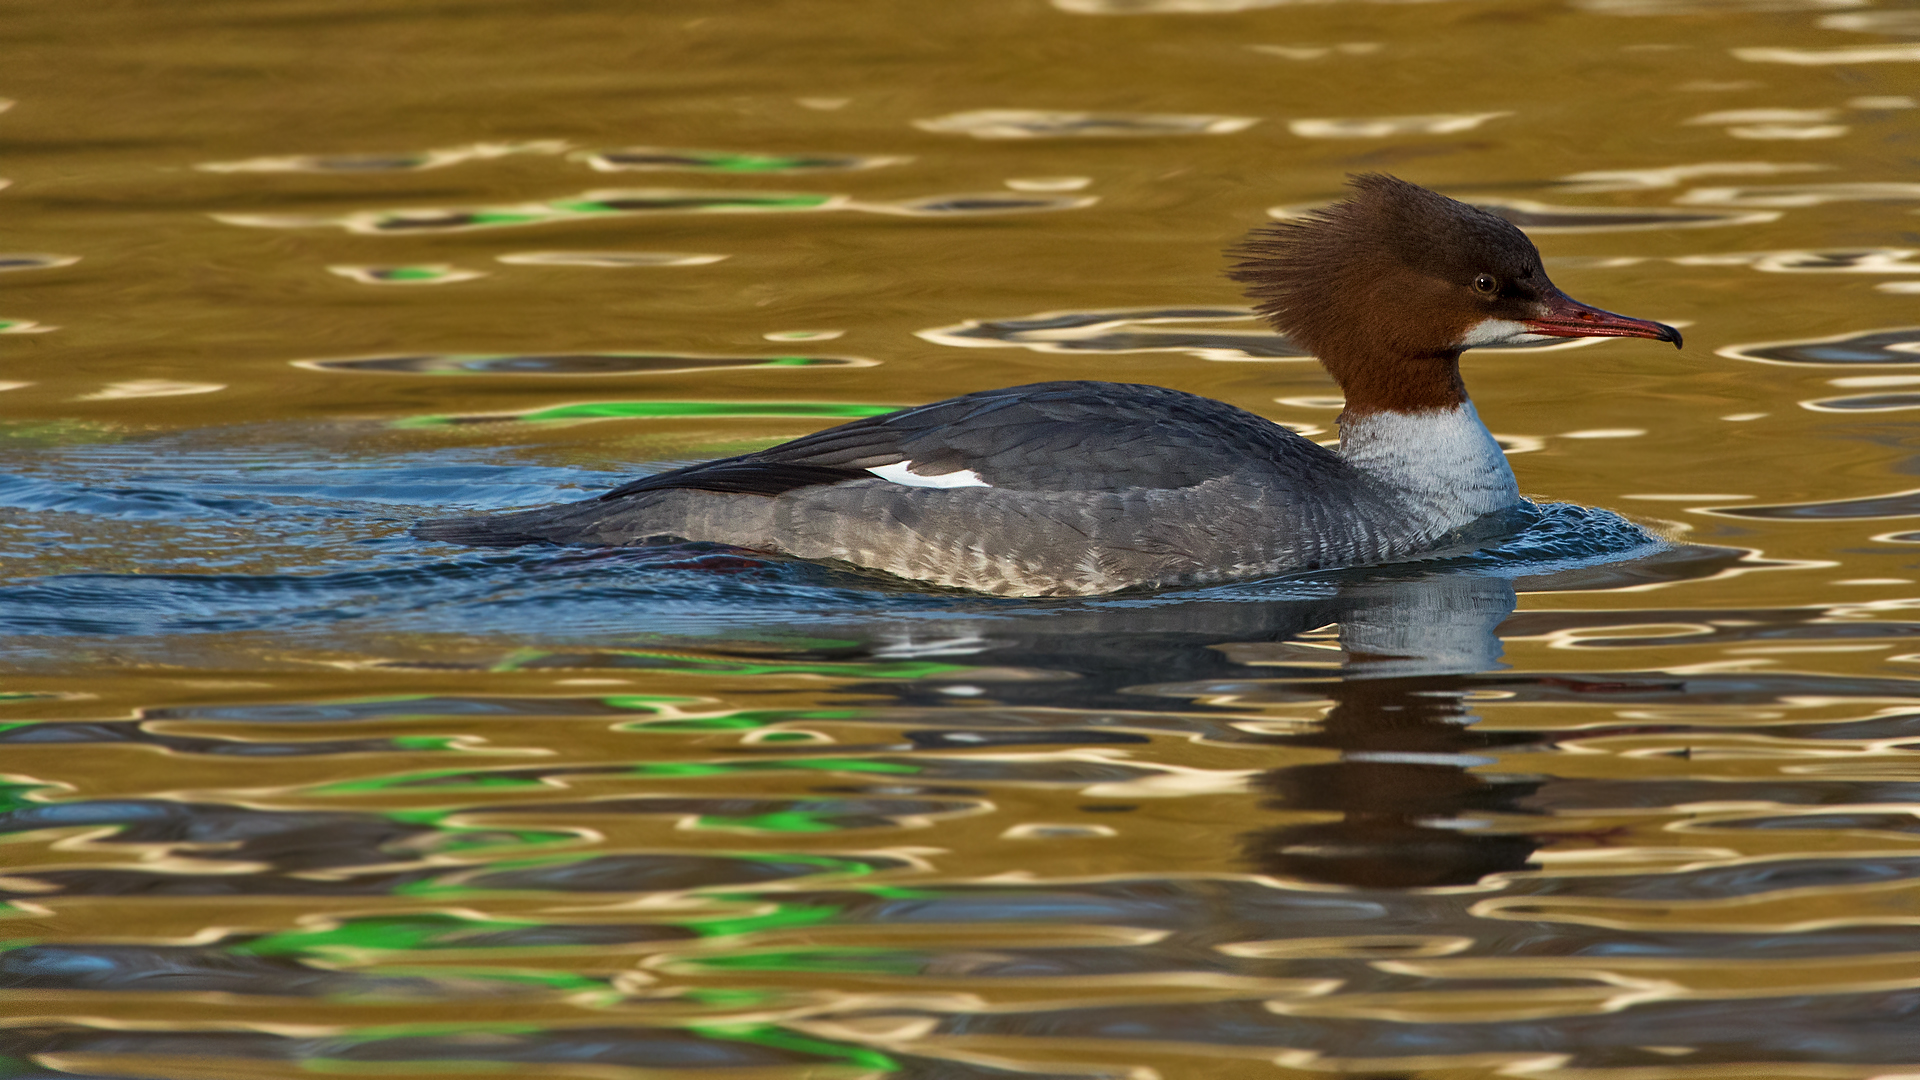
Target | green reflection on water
(13,794)
(656,769)
(740,721)
(764,1034)
(426,742)
(752,162)
(849,961)
(455,837)
(507,217)
(709,723)
(826,863)
(730,999)
(433,817)
(664,201)
(782,916)
(59,433)
(435,889)
(397,933)
(788,821)
(649,702)
(779,1038)
(603,410)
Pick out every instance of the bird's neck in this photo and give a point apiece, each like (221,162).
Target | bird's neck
(1442,461)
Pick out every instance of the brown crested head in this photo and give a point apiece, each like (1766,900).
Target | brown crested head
(1388,287)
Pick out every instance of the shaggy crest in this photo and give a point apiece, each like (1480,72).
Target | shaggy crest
(1371,286)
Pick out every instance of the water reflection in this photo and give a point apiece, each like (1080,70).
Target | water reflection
(1898,504)
(1798,195)
(1707,7)
(1381,127)
(1045,124)
(1124,330)
(1411,813)
(657,159)
(585,205)
(1859,403)
(1832,55)
(608,363)
(150,388)
(1851,261)
(408,161)
(1900,345)
(283,791)
(991,202)
(1775,123)
(36,262)
(417,274)
(625,202)
(1901,23)
(1192,330)
(628,410)
(1598,180)
(1318,52)
(608,258)
(690,863)
(1048,183)
(1157,7)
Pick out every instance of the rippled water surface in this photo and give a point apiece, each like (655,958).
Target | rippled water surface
(283,791)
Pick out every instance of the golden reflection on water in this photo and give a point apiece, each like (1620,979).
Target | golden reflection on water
(285,792)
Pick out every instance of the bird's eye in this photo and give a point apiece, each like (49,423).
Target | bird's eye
(1485,285)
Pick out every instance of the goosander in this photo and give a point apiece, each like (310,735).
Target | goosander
(1080,488)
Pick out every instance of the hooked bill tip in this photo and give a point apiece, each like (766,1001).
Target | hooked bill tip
(1564,316)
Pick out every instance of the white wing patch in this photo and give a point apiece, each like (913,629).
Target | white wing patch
(900,472)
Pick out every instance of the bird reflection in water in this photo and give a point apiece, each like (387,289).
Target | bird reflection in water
(1404,785)
(1410,789)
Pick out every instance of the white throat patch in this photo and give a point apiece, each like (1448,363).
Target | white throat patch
(1499,332)
(900,472)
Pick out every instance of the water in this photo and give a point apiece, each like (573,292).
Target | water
(283,791)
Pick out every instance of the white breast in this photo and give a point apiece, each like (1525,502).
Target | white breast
(1444,462)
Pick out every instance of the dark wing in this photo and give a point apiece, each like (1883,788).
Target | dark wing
(1061,436)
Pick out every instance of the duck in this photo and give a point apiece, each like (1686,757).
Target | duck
(1083,488)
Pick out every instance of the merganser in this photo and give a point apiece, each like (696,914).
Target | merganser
(1080,488)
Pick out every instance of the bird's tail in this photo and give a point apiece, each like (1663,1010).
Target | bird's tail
(490,530)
